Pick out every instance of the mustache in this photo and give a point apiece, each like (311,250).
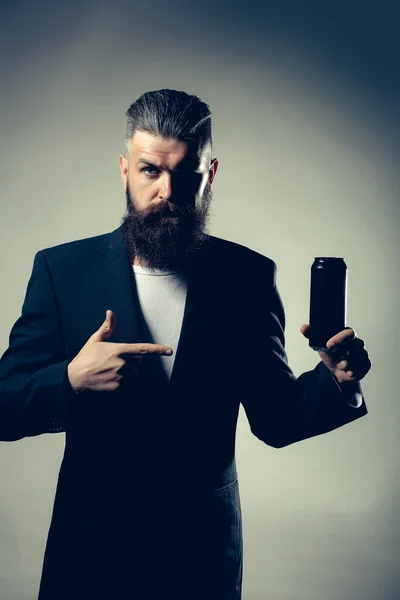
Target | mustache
(164,210)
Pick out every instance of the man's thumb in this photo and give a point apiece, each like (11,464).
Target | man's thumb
(305,330)
(106,328)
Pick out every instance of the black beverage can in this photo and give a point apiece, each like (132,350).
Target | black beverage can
(328,300)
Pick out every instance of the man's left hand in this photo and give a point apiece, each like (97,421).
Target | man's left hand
(346,356)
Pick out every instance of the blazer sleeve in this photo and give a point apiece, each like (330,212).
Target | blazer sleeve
(34,388)
(281,408)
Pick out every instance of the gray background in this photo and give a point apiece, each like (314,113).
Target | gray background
(305,118)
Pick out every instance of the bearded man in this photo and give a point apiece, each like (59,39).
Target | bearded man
(140,345)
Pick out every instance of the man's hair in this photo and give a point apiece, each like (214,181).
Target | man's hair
(170,114)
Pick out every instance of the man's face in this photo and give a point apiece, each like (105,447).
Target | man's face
(168,191)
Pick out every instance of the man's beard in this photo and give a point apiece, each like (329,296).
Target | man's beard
(168,236)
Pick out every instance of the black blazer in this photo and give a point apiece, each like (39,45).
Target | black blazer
(147,448)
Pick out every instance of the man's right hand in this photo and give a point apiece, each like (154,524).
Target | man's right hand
(96,366)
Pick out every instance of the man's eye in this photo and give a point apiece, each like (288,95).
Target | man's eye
(152,169)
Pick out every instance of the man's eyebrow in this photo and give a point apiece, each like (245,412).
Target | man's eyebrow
(181,167)
(148,163)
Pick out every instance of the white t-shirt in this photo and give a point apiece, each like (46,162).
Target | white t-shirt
(162,298)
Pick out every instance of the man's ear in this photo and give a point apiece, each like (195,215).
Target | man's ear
(123,165)
(213,170)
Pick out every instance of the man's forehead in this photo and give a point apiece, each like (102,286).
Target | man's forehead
(142,140)
(148,146)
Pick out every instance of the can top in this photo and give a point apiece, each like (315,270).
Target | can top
(321,263)
(328,258)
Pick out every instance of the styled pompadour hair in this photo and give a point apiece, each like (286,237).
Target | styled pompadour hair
(170,114)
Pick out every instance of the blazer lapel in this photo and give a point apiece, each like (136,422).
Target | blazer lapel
(113,280)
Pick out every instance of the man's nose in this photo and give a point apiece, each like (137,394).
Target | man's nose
(165,189)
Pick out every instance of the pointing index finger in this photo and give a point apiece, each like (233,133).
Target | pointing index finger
(143,348)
